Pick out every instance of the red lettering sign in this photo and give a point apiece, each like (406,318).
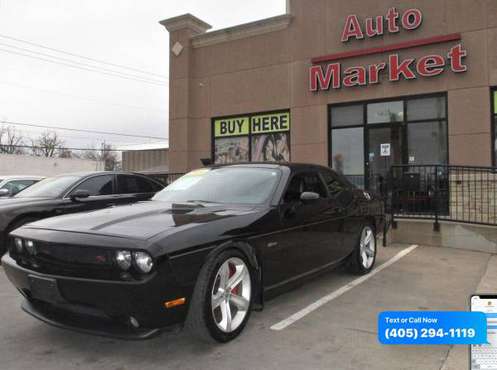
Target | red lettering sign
(396,69)
(325,76)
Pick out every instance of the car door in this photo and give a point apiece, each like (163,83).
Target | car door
(342,211)
(135,188)
(101,189)
(312,229)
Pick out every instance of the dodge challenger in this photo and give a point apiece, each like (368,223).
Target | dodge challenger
(203,253)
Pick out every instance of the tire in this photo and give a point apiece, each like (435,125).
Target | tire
(364,249)
(12,227)
(208,324)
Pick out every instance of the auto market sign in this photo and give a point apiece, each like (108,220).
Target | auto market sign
(327,71)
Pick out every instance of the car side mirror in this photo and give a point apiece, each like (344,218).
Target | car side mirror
(79,195)
(309,196)
(4,192)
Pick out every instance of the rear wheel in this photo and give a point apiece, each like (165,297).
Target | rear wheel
(364,256)
(222,299)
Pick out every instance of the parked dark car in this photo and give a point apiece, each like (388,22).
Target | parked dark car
(205,251)
(72,193)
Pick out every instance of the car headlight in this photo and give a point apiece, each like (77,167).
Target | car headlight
(19,245)
(123,259)
(30,247)
(143,262)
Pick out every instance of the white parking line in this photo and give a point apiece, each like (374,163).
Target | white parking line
(337,293)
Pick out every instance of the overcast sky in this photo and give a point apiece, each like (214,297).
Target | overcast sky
(124,32)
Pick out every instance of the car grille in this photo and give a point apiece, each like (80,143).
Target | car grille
(69,260)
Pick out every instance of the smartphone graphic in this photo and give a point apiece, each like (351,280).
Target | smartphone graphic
(484,357)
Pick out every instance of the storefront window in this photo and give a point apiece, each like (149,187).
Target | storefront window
(368,138)
(348,115)
(348,154)
(426,108)
(258,138)
(231,150)
(427,142)
(271,147)
(385,112)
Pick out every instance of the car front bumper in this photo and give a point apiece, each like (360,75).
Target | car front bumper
(99,307)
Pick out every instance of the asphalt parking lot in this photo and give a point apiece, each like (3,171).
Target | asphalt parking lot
(340,334)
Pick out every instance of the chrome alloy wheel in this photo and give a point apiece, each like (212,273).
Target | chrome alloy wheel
(367,247)
(231,294)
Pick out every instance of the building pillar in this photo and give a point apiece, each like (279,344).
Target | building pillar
(181,29)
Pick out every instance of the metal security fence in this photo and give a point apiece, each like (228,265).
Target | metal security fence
(463,194)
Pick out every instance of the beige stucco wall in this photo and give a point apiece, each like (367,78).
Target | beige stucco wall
(145,160)
(270,71)
(11,164)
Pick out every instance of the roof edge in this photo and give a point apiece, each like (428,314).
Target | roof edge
(186,21)
(241,31)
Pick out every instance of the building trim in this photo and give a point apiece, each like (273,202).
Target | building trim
(384,49)
(242,31)
(186,21)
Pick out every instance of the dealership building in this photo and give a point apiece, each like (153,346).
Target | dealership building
(355,85)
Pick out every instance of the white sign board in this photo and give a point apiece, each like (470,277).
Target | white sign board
(385,150)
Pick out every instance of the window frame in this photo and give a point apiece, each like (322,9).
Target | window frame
(151,183)
(68,193)
(303,172)
(250,135)
(371,126)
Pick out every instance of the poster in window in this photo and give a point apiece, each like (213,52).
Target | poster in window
(273,147)
(231,150)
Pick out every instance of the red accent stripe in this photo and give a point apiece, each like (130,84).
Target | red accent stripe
(384,49)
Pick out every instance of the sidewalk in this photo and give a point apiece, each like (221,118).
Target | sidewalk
(457,358)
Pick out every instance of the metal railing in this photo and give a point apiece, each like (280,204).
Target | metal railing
(464,194)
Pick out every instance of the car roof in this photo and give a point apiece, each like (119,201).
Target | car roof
(294,166)
(93,173)
(20,177)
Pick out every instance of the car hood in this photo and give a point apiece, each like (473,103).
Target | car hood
(142,220)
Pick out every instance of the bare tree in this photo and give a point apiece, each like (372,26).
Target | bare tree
(47,144)
(105,154)
(11,141)
(65,153)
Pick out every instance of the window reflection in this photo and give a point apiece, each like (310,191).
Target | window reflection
(386,112)
(348,154)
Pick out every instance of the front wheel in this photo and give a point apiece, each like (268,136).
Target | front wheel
(364,256)
(222,298)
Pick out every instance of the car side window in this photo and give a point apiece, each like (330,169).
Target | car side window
(303,182)
(16,186)
(129,184)
(98,185)
(334,185)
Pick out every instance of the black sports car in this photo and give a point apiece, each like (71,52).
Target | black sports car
(71,193)
(205,251)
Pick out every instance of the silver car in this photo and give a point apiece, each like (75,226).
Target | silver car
(11,185)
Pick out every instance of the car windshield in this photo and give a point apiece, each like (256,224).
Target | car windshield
(239,185)
(52,187)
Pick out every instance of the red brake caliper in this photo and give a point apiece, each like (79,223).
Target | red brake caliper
(232,272)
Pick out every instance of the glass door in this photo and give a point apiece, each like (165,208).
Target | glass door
(384,149)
